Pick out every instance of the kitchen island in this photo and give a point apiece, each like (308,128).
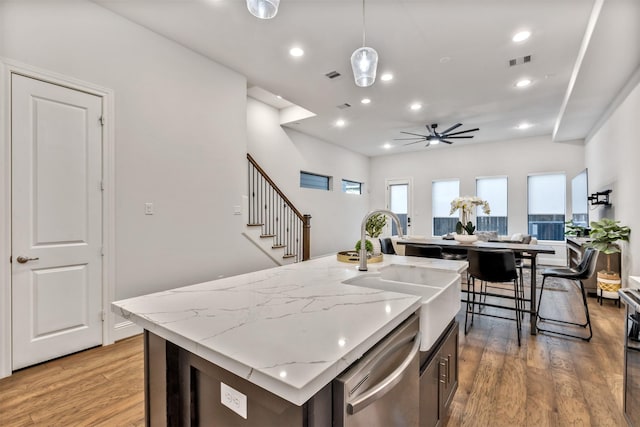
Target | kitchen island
(288,330)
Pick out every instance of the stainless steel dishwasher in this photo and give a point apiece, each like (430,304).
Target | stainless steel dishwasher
(382,388)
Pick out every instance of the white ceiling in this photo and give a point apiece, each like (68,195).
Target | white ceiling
(450,55)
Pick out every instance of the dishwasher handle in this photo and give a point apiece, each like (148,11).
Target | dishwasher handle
(386,384)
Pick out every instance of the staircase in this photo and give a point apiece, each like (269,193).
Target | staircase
(273,224)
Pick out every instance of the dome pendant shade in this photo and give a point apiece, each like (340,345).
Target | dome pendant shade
(263,9)
(364,63)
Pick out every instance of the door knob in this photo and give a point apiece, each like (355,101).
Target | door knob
(22,259)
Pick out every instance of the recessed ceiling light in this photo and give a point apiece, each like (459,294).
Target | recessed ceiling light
(521,36)
(523,126)
(340,123)
(523,83)
(365,101)
(278,96)
(386,77)
(296,51)
(416,106)
(387,146)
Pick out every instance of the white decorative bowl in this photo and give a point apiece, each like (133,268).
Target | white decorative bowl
(465,238)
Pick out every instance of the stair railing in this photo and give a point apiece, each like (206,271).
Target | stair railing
(269,207)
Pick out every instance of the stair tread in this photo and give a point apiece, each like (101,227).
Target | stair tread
(267,235)
(278,246)
(288,255)
(255,225)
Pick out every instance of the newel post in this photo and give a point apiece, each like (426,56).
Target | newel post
(306,237)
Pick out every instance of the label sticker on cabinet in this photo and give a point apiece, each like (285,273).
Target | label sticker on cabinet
(233,399)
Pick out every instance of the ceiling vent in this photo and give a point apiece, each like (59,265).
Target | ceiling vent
(343,106)
(333,74)
(519,61)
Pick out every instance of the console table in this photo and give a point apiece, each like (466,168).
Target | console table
(575,251)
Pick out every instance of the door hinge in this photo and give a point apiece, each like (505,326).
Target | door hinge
(101,120)
(11,259)
(101,186)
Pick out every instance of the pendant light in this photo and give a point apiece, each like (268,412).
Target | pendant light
(263,9)
(364,61)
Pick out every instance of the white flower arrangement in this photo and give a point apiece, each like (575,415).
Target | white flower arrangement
(466,205)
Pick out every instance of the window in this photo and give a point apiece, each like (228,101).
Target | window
(312,180)
(442,193)
(546,206)
(351,187)
(494,191)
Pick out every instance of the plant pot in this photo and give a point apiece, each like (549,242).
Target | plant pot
(608,282)
(465,238)
(377,247)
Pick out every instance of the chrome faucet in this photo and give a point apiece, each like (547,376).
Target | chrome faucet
(363,241)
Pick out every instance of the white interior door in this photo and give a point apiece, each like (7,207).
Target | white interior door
(399,202)
(56,220)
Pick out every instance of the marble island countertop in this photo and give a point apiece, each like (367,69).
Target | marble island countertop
(290,329)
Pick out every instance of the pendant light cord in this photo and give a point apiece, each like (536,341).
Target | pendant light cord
(363,27)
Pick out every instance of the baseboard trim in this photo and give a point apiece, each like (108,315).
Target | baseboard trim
(125,329)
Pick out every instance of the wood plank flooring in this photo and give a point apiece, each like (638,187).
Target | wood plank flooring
(548,381)
(98,387)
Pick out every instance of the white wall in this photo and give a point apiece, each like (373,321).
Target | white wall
(515,159)
(283,153)
(180,139)
(613,161)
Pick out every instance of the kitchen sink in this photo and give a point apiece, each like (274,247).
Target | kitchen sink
(439,289)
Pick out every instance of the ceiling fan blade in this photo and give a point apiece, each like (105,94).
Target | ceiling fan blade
(463,131)
(408,139)
(416,134)
(414,142)
(457,137)
(457,125)
(446,142)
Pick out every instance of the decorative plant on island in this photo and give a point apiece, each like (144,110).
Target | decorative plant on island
(374,227)
(604,237)
(466,205)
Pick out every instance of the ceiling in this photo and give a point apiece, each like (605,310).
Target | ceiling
(452,56)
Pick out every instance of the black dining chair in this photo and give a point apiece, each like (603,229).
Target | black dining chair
(577,275)
(494,266)
(423,251)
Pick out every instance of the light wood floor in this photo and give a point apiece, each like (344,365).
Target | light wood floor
(548,381)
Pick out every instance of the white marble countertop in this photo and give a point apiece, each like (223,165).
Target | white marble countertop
(290,329)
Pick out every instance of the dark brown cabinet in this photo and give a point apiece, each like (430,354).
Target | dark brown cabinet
(439,379)
(575,250)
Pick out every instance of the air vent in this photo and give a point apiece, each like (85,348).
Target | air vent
(333,74)
(519,61)
(343,106)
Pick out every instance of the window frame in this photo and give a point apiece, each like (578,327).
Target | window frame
(316,175)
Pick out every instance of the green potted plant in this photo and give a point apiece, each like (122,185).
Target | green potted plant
(373,228)
(605,235)
(573,229)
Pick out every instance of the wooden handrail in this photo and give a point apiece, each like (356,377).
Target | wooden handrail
(269,216)
(275,187)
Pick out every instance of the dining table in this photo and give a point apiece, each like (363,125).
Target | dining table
(528,251)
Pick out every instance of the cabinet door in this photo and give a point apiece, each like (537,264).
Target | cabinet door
(429,394)
(448,362)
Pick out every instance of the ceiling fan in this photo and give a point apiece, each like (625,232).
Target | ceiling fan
(435,137)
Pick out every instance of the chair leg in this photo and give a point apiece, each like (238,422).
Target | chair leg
(586,311)
(470,305)
(538,317)
(587,323)
(516,294)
